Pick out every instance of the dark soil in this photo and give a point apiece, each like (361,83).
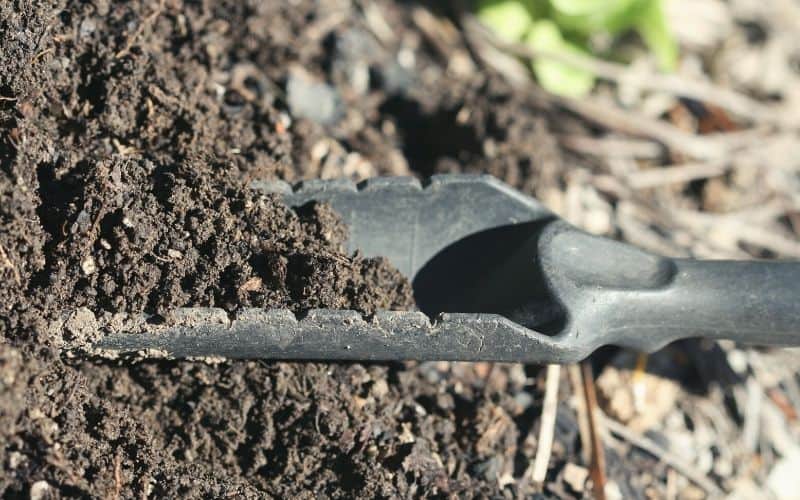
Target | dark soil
(128,133)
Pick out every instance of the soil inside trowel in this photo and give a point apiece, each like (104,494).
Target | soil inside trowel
(128,134)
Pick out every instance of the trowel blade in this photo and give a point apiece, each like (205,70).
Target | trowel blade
(408,221)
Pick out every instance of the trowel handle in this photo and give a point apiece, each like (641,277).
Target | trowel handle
(747,301)
(619,294)
(753,302)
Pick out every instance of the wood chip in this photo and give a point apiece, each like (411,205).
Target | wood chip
(575,476)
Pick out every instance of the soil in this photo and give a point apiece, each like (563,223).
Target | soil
(129,131)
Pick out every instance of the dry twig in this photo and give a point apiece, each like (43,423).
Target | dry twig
(548,424)
(144,24)
(598,462)
(653,448)
(117,476)
(610,147)
(377,24)
(635,124)
(515,73)
(741,226)
(783,403)
(576,379)
(676,174)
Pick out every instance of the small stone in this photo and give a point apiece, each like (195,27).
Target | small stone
(251,285)
(523,399)
(396,79)
(82,223)
(315,101)
(575,476)
(39,490)
(174,254)
(15,459)
(127,222)
(88,266)
(406,58)
(105,244)
(87,27)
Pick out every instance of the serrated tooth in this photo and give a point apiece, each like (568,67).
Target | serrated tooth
(266,316)
(326,318)
(402,321)
(324,185)
(195,315)
(400,183)
(272,187)
(439,180)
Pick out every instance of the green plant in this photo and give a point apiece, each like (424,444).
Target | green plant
(566,26)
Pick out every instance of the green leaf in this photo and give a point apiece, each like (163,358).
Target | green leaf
(588,17)
(654,30)
(508,19)
(554,76)
(586,7)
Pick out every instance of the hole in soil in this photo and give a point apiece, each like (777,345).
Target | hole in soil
(93,86)
(8,122)
(57,193)
(349,475)
(395,462)
(494,271)
(429,136)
